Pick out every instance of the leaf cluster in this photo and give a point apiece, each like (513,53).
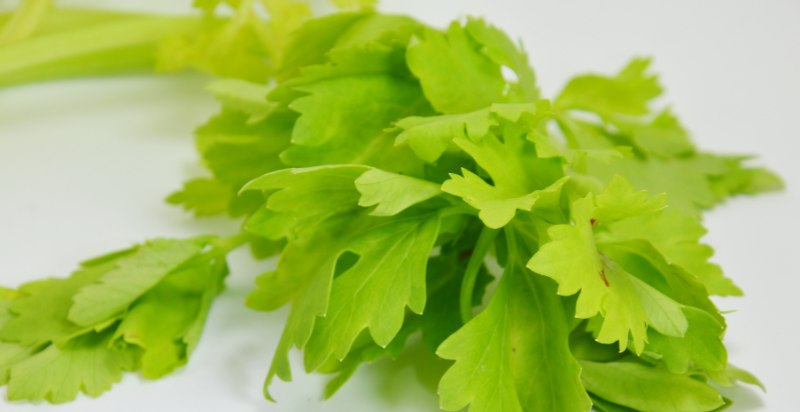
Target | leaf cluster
(413,183)
(404,160)
(140,309)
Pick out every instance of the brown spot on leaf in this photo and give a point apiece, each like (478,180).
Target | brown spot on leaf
(603,276)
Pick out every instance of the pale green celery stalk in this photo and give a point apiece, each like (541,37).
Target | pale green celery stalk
(59,20)
(24,20)
(98,46)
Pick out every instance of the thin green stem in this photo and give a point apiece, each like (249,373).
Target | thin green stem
(511,246)
(225,245)
(485,241)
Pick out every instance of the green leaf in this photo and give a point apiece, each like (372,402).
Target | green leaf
(40,311)
(455,75)
(133,276)
(642,260)
(430,137)
(736,177)
(685,180)
(514,356)
(629,92)
(732,374)
(441,317)
(312,41)
(503,51)
(236,46)
(700,348)
(392,193)
(237,151)
(56,374)
(519,177)
(496,207)
(620,201)
(301,198)
(10,353)
(647,388)
(663,136)
(242,96)
(328,37)
(677,237)
(626,304)
(164,321)
(154,332)
(204,197)
(373,293)
(304,277)
(365,105)
(285,18)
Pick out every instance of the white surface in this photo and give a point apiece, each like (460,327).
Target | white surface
(84,166)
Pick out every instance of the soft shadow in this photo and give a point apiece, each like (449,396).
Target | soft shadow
(415,367)
(745,398)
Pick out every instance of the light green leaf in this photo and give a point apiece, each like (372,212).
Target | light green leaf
(40,310)
(304,277)
(373,294)
(572,257)
(504,52)
(677,237)
(10,353)
(647,388)
(685,180)
(57,374)
(642,260)
(661,312)
(285,18)
(512,163)
(242,96)
(237,151)
(514,355)
(204,197)
(619,201)
(430,137)
(629,92)
(365,105)
(732,374)
(311,43)
(662,136)
(133,276)
(520,178)
(392,193)
(455,75)
(232,47)
(701,347)
(301,198)
(167,320)
(497,206)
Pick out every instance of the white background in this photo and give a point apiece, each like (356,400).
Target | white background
(84,166)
